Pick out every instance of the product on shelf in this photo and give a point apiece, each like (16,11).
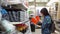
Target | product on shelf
(21,27)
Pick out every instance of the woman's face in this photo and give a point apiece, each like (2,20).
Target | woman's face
(41,14)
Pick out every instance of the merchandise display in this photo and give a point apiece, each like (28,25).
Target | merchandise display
(21,27)
(12,16)
(22,16)
(15,12)
(17,15)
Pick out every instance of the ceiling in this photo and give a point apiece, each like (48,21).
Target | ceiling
(38,2)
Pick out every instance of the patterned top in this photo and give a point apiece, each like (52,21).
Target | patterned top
(46,24)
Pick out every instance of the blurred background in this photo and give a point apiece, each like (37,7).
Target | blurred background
(25,8)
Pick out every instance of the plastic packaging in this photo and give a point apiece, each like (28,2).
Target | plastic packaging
(9,27)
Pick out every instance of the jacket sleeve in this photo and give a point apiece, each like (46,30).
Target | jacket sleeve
(46,22)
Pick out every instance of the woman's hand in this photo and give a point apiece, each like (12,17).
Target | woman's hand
(40,21)
(38,26)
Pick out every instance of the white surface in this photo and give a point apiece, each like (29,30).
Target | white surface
(12,1)
(57,32)
(30,0)
(25,6)
(15,22)
(16,2)
(51,2)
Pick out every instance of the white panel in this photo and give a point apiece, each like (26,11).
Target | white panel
(38,0)
(11,1)
(30,0)
(41,0)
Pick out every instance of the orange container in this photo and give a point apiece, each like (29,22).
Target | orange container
(38,18)
(34,20)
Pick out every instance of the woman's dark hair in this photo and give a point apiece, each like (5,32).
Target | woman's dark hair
(44,11)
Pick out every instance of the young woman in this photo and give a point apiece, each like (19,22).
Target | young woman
(46,21)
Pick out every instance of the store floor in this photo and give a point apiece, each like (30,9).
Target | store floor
(38,31)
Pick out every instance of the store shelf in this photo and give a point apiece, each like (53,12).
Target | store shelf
(14,2)
(15,22)
(57,23)
(17,3)
(25,5)
(19,22)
